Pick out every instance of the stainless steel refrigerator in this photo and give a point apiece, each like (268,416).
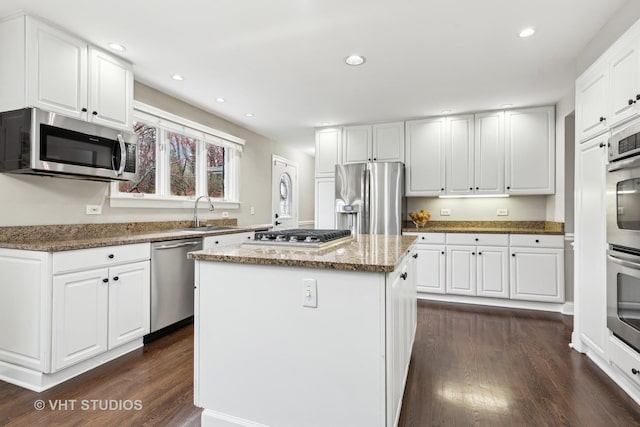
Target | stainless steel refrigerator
(370,197)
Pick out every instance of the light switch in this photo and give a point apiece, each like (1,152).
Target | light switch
(310,293)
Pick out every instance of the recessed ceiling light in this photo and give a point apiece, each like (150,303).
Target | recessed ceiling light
(506,105)
(220,99)
(249,114)
(355,60)
(177,77)
(527,32)
(117,46)
(445,111)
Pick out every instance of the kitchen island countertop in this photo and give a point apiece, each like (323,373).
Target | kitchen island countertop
(374,253)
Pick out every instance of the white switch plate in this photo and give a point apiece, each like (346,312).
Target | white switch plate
(503,212)
(225,214)
(253,210)
(94,209)
(445,212)
(310,293)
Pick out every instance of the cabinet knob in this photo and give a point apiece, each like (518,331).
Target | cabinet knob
(477,188)
(105,280)
(116,278)
(415,256)
(442,189)
(631,102)
(95,113)
(634,371)
(537,240)
(422,237)
(477,239)
(374,159)
(601,145)
(471,188)
(473,253)
(216,242)
(442,252)
(369,159)
(508,188)
(479,253)
(84,110)
(602,119)
(404,276)
(638,97)
(513,254)
(110,256)
(248,237)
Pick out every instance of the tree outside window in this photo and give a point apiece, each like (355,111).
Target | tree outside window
(145,181)
(182,164)
(215,171)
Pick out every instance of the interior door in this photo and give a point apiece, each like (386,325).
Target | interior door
(284,184)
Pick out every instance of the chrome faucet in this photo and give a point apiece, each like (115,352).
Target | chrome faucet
(196,220)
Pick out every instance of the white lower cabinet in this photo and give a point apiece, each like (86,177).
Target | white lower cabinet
(537,274)
(325,211)
(492,272)
(226,240)
(430,262)
(98,310)
(461,270)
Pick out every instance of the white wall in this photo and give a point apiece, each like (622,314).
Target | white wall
(31,200)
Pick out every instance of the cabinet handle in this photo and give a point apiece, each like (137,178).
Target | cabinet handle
(415,256)
(404,276)
(601,144)
(631,102)
(105,280)
(84,110)
(95,113)
(602,119)
(634,371)
(116,278)
(637,97)
(110,256)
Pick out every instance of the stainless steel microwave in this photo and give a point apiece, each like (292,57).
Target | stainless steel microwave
(33,141)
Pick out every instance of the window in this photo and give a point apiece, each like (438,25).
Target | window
(179,160)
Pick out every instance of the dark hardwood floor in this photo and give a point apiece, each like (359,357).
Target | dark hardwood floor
(471,365)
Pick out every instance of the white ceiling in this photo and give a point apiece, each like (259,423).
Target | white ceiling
(283,60)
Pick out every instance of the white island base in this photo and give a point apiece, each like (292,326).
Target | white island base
(264,359)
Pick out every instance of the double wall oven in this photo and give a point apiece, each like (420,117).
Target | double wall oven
(623,235)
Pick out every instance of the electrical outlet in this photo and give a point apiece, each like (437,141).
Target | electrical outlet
(503,212)
(225,214)
(94,209)
(310,288)
(445,212)
(253,210)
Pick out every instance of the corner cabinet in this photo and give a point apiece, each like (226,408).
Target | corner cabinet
(425,157)
(51,69)
(530,151)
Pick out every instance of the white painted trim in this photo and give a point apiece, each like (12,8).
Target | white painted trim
(494,302)
(147,201)
(570,237)
(567,308)
(296,195)
(306,223)
(38,381)
(211,418)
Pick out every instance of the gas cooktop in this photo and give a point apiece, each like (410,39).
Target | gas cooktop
(301,237)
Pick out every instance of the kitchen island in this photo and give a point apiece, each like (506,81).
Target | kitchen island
(288,336)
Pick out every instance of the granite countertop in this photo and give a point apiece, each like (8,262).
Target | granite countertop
(56,238)
(374,253)
(502,227)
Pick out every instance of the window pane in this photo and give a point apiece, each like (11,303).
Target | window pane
(215,171)
(182,161)
(286,195)
(145,181)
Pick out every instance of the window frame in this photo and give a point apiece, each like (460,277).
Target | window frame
(164,123)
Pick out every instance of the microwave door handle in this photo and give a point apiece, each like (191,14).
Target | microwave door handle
(123,155)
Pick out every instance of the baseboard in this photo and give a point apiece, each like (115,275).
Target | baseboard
(494,302)
(38,381)
(617,377)
(567,308)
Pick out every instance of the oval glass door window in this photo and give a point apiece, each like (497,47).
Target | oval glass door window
(286,193)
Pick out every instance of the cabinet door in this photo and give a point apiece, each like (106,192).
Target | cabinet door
(624,72)
(325,212)
(356,144)
(425,161)
(461,270)
(79,316)
(592,94)
(111,90)
(493,272)
(489,153)
(459,155)
(537,274)
(57,70)
(129,302)
(328,152)
(590,263)
(430,268)
(388,142)
(530,140)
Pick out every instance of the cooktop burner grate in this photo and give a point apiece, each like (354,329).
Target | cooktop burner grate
(300,235)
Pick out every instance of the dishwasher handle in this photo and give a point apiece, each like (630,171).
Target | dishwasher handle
(179,245)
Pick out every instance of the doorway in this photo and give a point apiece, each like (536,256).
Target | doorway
(284,193)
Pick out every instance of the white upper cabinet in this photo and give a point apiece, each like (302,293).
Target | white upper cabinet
(530,151)
(489,153)
(425,157)
(328,152)
(48,68)
(373,143)
(388,142)
(592,94)
(356,144)
(459,155)
(624,74)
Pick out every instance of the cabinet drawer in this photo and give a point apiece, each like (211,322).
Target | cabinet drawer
(226,240)
(537,240)
(625,359)
(430,238)
(477,239)
(83,259)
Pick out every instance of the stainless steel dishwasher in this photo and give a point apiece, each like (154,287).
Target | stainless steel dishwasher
(172,281)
